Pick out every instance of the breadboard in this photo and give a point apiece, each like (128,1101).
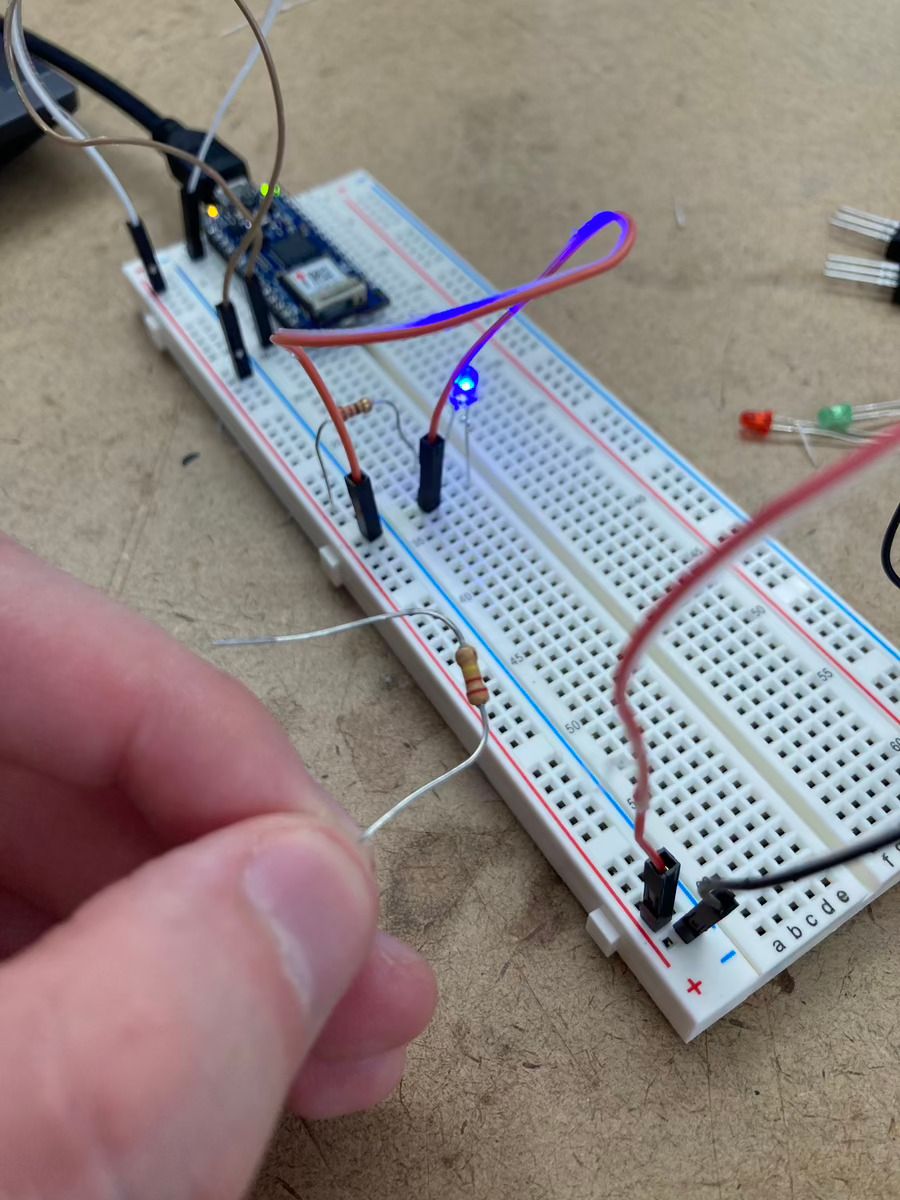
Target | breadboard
(771,707)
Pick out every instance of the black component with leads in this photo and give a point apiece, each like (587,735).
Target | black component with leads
(190,215)
(17,130)
(431,472)
(261,317)
(228,319)
(892,250)
(715,903)
(144,247)
(660,890)
(362,497)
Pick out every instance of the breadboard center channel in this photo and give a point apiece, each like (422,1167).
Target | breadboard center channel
(772,710)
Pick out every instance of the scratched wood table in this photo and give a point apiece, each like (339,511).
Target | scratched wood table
(731,134)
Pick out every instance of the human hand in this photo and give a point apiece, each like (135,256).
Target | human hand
(187,921)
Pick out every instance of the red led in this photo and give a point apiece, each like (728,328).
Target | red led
(757,422)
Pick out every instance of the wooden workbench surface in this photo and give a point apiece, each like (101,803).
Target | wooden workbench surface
(547,1072)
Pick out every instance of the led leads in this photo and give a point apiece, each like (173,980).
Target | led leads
(835,422)
(761,424)
(842,416)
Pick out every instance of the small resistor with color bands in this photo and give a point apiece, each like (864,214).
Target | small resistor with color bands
(476,689)
(360,408)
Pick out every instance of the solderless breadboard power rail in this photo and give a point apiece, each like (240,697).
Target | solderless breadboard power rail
(772,710)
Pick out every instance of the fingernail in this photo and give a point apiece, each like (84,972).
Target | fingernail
(394,952)
(315,896)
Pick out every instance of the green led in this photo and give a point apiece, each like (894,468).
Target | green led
(264,189)
(836,416)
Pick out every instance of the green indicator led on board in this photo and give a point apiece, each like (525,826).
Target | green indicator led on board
(264,189)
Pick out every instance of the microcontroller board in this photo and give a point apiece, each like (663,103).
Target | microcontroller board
(306,280)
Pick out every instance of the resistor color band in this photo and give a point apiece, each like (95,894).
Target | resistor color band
(364,405)
(476,689)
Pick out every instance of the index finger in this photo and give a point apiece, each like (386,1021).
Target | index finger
(93,695)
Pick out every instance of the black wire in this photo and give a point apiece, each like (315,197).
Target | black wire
(887,545)
(95,80)
(827,862)
(809,866)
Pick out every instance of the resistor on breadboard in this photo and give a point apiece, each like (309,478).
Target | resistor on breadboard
(477,693)
(357,409)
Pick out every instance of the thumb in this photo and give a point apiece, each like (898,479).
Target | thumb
(147,1045)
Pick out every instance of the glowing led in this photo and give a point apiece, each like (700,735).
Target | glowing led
(212,212)
(264,189)
(465,388)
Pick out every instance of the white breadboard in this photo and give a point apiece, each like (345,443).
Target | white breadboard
(771,708)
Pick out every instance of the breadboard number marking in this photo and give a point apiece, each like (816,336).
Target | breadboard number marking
(753,614)
(516,660)
(895,745)
(824,674)
(574,725)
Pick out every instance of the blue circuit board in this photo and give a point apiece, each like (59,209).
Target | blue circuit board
(291,243)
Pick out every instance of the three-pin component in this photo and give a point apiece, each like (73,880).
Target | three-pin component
(657,905)
(882,236)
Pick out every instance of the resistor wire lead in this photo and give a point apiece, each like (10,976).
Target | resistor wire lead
(477,692)
(358,409)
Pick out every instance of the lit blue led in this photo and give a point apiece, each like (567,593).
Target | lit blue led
(465,389)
